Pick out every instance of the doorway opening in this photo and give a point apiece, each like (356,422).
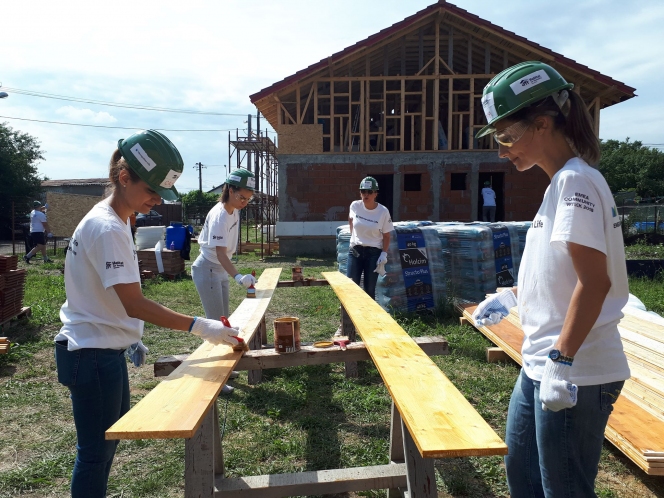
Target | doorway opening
(385,191)
(496,182)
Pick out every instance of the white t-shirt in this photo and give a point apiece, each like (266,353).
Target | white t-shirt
(369,225)
(577,207)
(220,230)
(489,196)
(101,253)
(37,219)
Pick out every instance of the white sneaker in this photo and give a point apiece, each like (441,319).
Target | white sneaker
(227,389)
(338,333)
(234,375)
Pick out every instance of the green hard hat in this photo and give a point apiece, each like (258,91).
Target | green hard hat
(369,183)
(155,160)
(242,178)
(36,203)
(517,87)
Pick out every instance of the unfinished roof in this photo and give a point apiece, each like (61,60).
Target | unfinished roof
(76,182)
(403,48)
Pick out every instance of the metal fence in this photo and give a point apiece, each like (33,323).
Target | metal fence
(641,218)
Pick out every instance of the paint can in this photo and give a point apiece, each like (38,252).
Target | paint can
(287,334)
(297,274)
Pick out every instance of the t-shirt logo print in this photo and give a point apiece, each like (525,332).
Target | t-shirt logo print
(114,265)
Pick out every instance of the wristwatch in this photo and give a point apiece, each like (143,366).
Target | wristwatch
(556,355)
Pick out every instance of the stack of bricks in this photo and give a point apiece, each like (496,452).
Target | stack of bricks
(12,288)
(172,262)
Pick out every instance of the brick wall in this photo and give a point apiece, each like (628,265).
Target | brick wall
(416,205)
(524,192)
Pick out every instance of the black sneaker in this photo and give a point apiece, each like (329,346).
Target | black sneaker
(47,260)
(26,259)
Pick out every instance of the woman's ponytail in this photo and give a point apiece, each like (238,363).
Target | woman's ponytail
(579,129)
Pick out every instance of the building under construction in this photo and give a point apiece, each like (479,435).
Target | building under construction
(403,106)
(257,153)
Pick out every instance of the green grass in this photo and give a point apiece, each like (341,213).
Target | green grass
(641,250)
(300,418)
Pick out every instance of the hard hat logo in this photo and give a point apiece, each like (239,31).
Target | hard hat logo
(143,157)
(170,179)
(369,183)
(529,81)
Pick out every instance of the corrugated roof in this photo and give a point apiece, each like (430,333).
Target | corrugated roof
(453,9)
(76,182)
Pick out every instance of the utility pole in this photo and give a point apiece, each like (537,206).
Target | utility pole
(249,138)
(200,175)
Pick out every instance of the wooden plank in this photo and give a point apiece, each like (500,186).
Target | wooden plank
(441,421)
(396,446)
(420,471)
(199,459)
(176,407)
(321,482)
(308,355)
(631,428)
(496,355)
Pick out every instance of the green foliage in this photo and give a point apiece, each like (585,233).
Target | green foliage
(196,204)
(19,180)
(632,166)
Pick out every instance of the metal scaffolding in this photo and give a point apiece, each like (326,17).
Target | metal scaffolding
(257,153)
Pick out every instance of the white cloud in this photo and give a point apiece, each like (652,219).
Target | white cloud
(85,116)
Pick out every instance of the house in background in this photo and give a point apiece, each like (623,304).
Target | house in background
(403,106)
(84,186)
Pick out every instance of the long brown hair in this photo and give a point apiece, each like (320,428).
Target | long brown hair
(226,193)
(573,119)
(116,165)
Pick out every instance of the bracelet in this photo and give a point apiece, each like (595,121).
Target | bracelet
(192,323)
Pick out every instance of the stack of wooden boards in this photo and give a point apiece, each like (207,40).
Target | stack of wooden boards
(172,262)
(636,425)
(12,288)
(4,345)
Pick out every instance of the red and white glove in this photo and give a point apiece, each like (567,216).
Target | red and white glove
(214,331)
(246,280)
(556,391)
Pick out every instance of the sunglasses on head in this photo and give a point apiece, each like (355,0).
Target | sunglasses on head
(365,191)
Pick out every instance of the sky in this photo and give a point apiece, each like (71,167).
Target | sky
(209,56)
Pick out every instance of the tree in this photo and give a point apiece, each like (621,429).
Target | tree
(196,204)
(632,166)
(19,181)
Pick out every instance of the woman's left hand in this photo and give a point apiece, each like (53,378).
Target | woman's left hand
(382,258)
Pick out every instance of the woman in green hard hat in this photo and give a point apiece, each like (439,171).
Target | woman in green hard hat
(218,242)
(370,226)
(572,285)
(105,308)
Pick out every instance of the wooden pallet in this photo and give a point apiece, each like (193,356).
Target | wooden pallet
(25,312)
(634,427)
(4,345)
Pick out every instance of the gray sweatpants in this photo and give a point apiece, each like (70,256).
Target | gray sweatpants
(211,281)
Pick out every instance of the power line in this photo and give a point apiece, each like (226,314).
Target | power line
(114,104)
(100,126)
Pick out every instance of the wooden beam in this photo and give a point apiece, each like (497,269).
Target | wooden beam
(450,49)
(402,120)
(321,482)
(177,406)
(298,111)
(420,50)
(457,430)
(199,461)
(306,105)
(267,357)
(497,355)
(436,87)
(487,58)
(420,471)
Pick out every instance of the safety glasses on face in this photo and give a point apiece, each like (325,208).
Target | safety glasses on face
(512,134)
(365,191)
(242,198)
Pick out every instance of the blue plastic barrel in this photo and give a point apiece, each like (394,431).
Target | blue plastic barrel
(175,234)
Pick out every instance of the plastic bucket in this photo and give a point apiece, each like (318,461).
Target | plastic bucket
(287,334)
(175,234)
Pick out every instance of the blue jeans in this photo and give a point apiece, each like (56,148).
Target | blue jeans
(556,454)
(363,259)
(99,386)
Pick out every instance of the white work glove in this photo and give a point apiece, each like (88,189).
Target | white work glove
(214,331)
(137,353)
(382,258)
(493,309)
(556,391)
(50,235)
(246,280)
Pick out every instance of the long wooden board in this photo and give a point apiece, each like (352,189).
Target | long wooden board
(176,407)
(631,428)
(440,420)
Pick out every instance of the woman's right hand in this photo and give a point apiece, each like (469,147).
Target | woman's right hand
(214,331)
